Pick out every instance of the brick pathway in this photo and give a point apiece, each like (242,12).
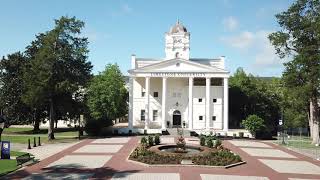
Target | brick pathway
(106,159)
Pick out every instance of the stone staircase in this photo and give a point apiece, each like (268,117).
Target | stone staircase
(174,132)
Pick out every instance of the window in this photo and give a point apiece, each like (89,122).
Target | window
(174,94)
(200,118)
(155,115)
(200,100)
(143,115)
(214,100)
(213,118)
(155,94)
(143,94)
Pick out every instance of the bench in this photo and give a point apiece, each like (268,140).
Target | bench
(24,158)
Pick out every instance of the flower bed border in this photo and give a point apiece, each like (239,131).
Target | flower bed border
(181,165)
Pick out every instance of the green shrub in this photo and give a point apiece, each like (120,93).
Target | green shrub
(93,127)
(253,124)
(157,139)
(264,134)
(150,141)
(209,143)
(241,134)
(202,141)
(218,143)
(144,141)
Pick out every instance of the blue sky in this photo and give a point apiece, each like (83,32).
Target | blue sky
(116,29)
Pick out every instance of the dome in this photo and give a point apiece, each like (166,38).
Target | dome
(178,28)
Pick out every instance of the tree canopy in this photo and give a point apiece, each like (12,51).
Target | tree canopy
(299,39)
(13,87)
(58,67)
(107,95)
(253,95)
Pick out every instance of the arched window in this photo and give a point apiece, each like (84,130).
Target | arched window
(176,112)
(177,54)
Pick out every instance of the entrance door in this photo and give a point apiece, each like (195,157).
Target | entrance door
(176,121)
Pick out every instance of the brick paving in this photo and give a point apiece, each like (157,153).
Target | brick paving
(115,165)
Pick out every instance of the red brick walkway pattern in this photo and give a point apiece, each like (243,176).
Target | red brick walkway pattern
(119,164)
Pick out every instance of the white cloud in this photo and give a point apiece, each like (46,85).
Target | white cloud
(94,36)
(258,47)
(123,10)
(241,41)
(266,56)
(230,23)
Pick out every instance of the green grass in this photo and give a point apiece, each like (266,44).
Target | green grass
(43,139)
(16,153)
(303,142)
(17,139)
(7,165)
(15,130)
(29,131)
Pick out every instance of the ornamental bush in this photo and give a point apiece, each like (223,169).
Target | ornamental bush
(157,139)
(150,141)
(253,124)
(209,143)
(144,141)
(202,141)
(218,143)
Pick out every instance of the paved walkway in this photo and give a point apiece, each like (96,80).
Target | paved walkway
(106,159)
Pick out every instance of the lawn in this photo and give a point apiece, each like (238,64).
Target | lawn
(9,165)
(303,142)
(43,139)
(43,132)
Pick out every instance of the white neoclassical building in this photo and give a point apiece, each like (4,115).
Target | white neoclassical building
(178,91)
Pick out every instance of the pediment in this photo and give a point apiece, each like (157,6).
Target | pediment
(178,65)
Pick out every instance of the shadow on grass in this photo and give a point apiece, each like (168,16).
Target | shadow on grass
(43,131)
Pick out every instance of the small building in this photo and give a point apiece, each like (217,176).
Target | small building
(178,90)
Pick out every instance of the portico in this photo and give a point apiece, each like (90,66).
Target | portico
(178,91)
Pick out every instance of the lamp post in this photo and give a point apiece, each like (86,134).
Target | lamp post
(283,141)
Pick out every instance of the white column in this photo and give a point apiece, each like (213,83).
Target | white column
(163,104)
(147,102)
(190,114)
(130,123)
(208,84)
(225,104)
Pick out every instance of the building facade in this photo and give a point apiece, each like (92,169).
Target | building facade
(178,91)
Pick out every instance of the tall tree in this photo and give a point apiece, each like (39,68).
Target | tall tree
(107,95)
(300,39)
(58,66)
(13,88)
(254,96)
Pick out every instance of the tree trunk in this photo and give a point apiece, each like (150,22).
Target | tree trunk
(310,116)
(0,133)
(314,116)
(51,121)
(36,127)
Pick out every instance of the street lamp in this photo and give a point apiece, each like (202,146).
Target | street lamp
(281,123)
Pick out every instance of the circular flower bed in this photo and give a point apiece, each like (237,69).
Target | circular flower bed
(219,156)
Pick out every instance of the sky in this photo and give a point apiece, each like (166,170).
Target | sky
(235,29)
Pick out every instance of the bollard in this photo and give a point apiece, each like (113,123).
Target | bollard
(34,142)
(39,143)
(29,146)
